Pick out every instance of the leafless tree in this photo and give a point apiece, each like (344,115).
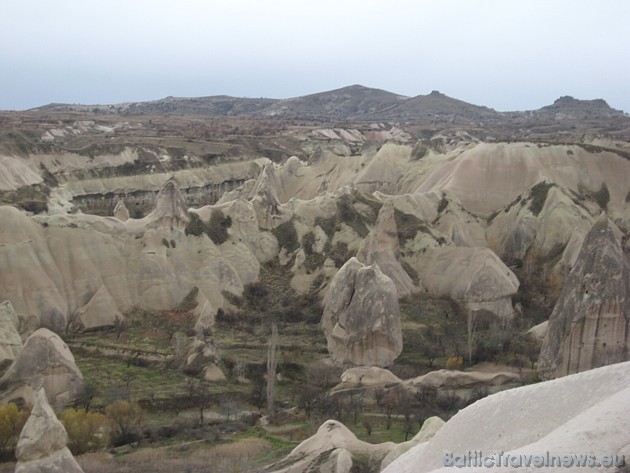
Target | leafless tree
(272,363)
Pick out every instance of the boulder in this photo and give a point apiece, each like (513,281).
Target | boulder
(361,317)
(538,332)
(10,340)
(381,247)
(45,361)
(41,447)
(588,327)
(202,357)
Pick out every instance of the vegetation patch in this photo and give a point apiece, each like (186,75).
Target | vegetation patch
(216,228)
(602,196)
(287,236)
(409,226)
(538,196)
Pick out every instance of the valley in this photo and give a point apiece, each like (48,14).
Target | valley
(413,256)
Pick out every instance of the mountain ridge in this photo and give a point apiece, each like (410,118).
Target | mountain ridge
(351,103)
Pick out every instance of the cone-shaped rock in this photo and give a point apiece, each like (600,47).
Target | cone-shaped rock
(361,317)
(45,361)
(121,212)
(42,444)
(381,247)
(589,326)
(170,209)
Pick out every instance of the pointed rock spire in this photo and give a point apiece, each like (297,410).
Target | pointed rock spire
(41,447)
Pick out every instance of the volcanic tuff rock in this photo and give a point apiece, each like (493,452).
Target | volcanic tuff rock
(10,340)
(475,276)
(543,220)
(42,444)
(45,361)
(332,436)
(381,247)
(88,270)
(361,317)
(170,209)
(589,326)
(586,412)
(120,211)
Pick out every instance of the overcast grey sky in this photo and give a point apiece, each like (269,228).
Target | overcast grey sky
(505,54)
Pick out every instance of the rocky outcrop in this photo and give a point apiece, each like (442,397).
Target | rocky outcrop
(586,412)
(100,312)
(361,317)
(45,361)
(170,209)
(202,357)
(41,447)
(10,340)
(332,447)
(474,276)
(464,379)
(381,247)
(363,376)
(264,197)
(82,271)
(120,211)
(589,326)
(544,222)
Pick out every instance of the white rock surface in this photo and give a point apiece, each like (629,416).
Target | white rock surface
(45,361)
(10,340)
(582,413)
(41,447)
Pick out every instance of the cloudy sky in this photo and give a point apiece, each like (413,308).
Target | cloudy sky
(506,54)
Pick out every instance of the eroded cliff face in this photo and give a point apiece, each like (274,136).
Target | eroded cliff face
(590,324)
(361,317)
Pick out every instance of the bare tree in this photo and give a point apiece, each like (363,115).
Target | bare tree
(272,364)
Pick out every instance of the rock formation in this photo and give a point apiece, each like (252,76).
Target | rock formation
(589,326)
(120,211)
(10,340)
(202,357)
(361,317)
(170,209)
(332,447)
(475,276)
(381,247)
(100,312)
(45,361)
(585,412)
(41,447)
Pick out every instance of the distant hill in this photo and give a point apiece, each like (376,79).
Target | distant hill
(353,103)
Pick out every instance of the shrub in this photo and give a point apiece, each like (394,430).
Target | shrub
(12,421)
(126,421)
(86,430)
(455,363)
